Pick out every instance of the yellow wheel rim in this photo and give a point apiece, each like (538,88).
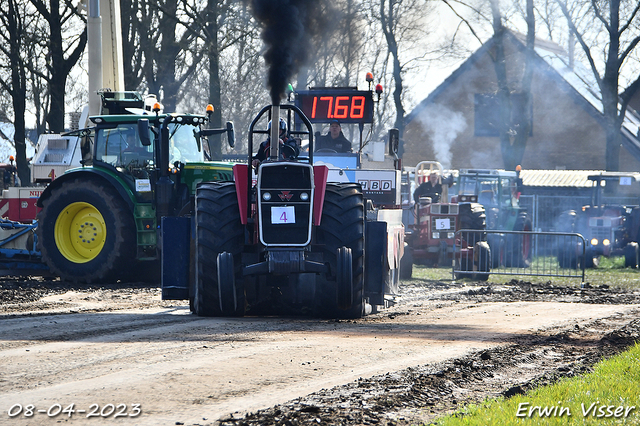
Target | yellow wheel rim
(80,232)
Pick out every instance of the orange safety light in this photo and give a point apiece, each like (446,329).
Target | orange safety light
(210,109)
(379,89)
(156,107)
(11,158)
(369,77)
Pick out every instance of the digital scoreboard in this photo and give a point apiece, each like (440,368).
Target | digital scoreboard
(348,106)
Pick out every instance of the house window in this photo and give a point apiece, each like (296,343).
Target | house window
(487,113)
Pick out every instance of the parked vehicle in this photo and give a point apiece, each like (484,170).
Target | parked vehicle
(498,191)
(432,236)
(609,227)
(97,221)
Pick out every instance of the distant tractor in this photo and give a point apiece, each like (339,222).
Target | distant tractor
(609,227)
(498,191)
(101,222)
(432,236)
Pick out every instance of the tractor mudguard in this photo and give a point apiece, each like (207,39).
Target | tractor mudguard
(376,268)
(240,177)
(176,233)
(320,186)
(92,173)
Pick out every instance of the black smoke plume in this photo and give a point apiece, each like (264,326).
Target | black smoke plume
(287,29)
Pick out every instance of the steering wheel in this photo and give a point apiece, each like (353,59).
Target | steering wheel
(288,152)
(327,150)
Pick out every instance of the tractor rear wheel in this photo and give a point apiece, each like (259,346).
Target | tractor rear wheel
(342,225)
(406,263)
(496,244)
(518,251)
(567,258)
(218,230)
(482,255)
(566,254)
(631,255)
(86,232)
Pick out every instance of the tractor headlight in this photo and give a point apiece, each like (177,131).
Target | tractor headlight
(606,242)
(304,196)
(594,241)
(451,235)
(266,196)
(436,235)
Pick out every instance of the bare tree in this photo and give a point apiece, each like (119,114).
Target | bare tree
(244,82)
(615,28)
(403,26)
(163,47)
(515,123)
(134,18)
(65,43)
(513,92)
(12,17)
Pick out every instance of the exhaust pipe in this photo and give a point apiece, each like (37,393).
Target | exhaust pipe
(275,132)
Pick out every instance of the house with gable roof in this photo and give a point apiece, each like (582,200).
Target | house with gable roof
(455,123)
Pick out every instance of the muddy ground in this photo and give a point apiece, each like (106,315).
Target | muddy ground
(413,395)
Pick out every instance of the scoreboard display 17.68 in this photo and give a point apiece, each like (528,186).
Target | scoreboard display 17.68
(347,106)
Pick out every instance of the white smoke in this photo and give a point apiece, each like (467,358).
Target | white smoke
(443,126)
(6,143)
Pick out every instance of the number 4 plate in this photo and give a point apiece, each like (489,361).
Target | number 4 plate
(280,215)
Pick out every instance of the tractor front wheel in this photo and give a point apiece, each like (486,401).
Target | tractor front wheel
(86,232)
(218,230)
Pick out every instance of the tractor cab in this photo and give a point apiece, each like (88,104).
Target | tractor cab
(497,190)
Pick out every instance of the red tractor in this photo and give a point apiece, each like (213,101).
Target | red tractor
(433,236)
(285,240)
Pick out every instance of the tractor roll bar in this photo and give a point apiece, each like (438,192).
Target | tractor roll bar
(267,110)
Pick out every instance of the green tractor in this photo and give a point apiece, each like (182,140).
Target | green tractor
(99,222)
(499,192)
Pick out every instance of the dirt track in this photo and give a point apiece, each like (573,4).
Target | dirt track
(441,345)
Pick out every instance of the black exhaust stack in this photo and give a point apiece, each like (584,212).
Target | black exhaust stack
(274,147)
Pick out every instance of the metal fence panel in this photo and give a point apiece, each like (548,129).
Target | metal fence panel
(549,254)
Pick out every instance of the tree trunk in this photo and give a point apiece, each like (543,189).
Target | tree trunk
(392,44)
(18,89)
(59,66)
(214,77)
(169,49)
(521,116)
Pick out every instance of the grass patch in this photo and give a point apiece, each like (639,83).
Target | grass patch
(608,395)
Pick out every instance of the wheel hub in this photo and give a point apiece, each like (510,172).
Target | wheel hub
(80,232)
